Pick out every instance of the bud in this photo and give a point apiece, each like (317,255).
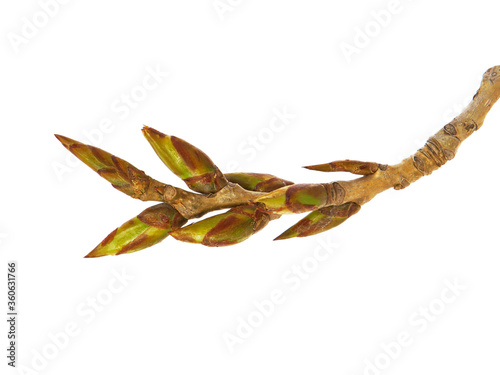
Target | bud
(120,173)
(294,199)
(257,181)
(232,227)
(150,227)
(351,166)
(186,161)
(321,220)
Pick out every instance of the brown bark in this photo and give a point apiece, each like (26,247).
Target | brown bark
(439,149)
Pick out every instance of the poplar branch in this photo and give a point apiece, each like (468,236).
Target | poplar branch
(254,199)
(439,149)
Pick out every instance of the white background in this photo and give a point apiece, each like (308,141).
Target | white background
(228,74)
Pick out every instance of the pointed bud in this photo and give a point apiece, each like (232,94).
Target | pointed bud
(294,199)
(229,228)
(351,166)
(257,181)
(321,220)
(147,229)
(186,161)
(120,173)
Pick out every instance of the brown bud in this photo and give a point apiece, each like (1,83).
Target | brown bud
(351,166)
(229,228)
(321,220)
(257,181)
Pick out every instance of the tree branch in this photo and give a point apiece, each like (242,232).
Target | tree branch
(253,198)
(439,149)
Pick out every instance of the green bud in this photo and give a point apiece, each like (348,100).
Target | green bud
(150,227)
(294,199)
(257,181)
(321,220)
(229,228)
(120,173)
(186,161)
